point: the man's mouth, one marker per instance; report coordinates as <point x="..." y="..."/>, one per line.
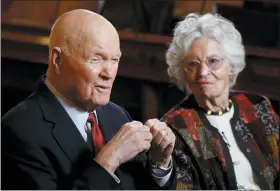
<point x="102" y="88"/>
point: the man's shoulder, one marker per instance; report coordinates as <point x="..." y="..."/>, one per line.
<point x="24" y="114"/>
<point x="113" y="107"/>
<point x="21" y="108"/>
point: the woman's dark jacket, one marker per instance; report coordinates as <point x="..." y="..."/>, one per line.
<point x="202" y="157"/>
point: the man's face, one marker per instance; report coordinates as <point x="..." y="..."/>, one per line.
<point x="89" y="71"/>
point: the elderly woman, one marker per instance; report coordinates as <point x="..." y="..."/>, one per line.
<point x="225" y="139"/>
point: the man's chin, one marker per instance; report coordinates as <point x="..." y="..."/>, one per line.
<point x="94" y="104"/>
<point x="102" y="102"/>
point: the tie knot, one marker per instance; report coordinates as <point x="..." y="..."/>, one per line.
<point x="91" y="118"/>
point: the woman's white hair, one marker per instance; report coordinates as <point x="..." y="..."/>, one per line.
<point x="195" y="26"/>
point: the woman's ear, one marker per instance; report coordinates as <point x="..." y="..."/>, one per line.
<point x="56" y="59"/>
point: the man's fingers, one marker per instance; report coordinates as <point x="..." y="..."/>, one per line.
<point x="148" y="136"/>
<point x="145" y="141"/>
<point x="145" y="146"/>
<point x="156" y="128"/>
<point x="146" y="128"/>
<point x="171" y="135"/>
<point x="163" y="138"/>
<point x="152" y="122"/>
<point x="159" y="137"/>
<point x="136" y="123"/>
<point x="164" y="143"/>
<point x="167" y="151"/>
<point x="133" y="124"/>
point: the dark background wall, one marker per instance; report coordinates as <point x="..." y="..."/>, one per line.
<point x="145" y="29"/>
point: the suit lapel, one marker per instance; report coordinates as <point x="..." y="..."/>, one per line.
<point x="110" y="122"/>
<point x="64" y="130"/>
<point x="68" y="136"/>
<point x="108" y="126"/>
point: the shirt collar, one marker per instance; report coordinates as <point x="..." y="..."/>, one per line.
<point x="78" y="115"/>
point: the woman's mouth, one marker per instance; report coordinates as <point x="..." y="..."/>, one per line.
<point x="204" y="83"/>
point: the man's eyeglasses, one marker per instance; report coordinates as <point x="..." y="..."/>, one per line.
<point x="213" y="63"/>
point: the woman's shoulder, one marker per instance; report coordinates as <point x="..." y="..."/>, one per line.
<point x="257" y="102"/>
<point x="254" y="98"/>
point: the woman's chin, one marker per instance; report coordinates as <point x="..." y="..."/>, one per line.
<point x="207" y="93"/>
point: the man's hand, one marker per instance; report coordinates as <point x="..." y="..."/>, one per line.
<point x="132" y="139"/>
<point x="162" y="144"/>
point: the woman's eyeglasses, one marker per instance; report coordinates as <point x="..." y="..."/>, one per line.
<point x="213" y="63"/>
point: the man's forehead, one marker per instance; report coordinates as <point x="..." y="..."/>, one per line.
<point x="89" y="44"/>
<point x="113" y="51"/>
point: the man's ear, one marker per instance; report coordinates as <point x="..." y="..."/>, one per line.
<point x="56" y="59"/>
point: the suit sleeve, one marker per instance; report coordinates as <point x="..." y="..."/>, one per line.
<point x="25" y="165"/>
<point x="127" y="115"/>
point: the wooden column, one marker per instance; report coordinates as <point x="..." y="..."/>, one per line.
<point x="278" y="44"/>
<point x="149" y="103"/>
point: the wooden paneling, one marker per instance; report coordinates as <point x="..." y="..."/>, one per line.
<point x="156" y="43"/>
<point x="195" y="6"/>
<point x="66" y="5"/>
<point x="144" y="86"/>
<point x="260" y="76"/>
<point x="38" y="14"/>
<point x="41" y="13"/>
<point x="144" y="59"/>
<point x="149" y="102"/>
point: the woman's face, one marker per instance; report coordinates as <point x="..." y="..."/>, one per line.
<point x="207" y="68"/>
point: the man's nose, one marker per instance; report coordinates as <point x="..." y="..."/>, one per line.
<point x="107" y="70"/>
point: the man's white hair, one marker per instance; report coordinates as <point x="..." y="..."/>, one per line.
<point x="195" y="26"/>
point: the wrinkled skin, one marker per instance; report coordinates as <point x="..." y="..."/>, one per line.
<point x="84" y="54"/>
<point x="210" y="87"/>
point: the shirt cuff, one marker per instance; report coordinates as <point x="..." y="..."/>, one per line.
<point x="162" y="177"/>
<point x="114" y="176"/>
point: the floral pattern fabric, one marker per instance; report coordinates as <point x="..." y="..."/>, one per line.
<point x="201" y="155"/>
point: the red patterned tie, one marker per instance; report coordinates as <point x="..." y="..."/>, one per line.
<point x="97" y="137"/>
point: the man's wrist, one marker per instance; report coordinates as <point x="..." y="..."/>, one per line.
<point x="108" y="163"/>
<point x="164" y="165"/>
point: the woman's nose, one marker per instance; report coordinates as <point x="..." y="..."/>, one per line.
<point x="203" y="70"/>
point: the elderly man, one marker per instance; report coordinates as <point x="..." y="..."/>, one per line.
<point x="68" y="135"/>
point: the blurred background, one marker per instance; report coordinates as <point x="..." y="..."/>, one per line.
<point x="145" y="29"/>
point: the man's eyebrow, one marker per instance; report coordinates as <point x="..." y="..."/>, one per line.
<point x="97" y="48"/>
<point x="119" y="54"/>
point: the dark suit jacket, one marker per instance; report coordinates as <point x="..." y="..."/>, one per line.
<point x="43" y="149"/>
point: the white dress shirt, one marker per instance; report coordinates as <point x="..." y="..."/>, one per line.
<point x="242" y="167"/>
<point x="80" y="116"/>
